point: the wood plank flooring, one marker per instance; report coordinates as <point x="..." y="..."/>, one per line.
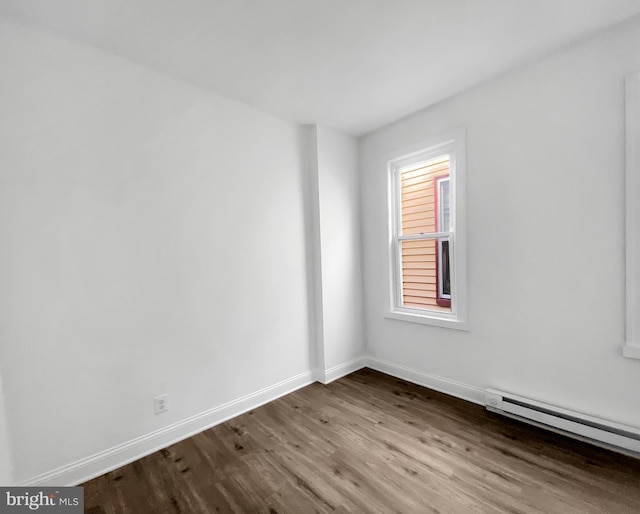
<point x="371" y="443"/>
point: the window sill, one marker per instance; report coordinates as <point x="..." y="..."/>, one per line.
<point x="431" y="318"/>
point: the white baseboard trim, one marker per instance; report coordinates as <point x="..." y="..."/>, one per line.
<point x="443" y="385"/>
<point x="341" y="370"/>
<point x="317" y="374"/>
<point x="113" y="458"/>
<point x="631" y="350"/>
<point x="120" y="455"/>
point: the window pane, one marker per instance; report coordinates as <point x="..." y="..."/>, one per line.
<point x="443" y="206"/>
<point x="421" y="262"/>
<point x="444" y="271"/>
<point x="418" y="196"/>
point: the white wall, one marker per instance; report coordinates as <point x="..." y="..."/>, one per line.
<point x="545" y="168"/>
<point x="6" y="457"/>
<point x="338" y="202"/>
<point x="152" y="242"/>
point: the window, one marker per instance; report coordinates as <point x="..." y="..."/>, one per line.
<point x="426" y="244"/>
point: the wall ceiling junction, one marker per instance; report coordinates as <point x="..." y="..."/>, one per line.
<point x="353" y="66"/>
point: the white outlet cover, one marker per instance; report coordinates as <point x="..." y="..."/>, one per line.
<point x="161" y="404"/>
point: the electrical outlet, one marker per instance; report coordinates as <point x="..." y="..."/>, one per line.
<point x="161" y="404"/>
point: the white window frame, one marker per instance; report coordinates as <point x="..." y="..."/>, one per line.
<point x="452" y="144"/>
<point x="631" y="348"/>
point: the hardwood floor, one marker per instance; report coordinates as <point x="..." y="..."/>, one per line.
<point x="371" y="443"/>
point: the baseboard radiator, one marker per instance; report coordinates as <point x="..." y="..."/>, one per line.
<point x="605" y="433"/>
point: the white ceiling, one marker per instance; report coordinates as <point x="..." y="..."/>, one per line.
<point x="353" y="65"/>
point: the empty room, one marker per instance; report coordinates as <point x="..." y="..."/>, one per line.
<point x="296" y="256"/>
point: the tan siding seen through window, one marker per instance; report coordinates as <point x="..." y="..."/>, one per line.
<point x="418" y="215"/>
